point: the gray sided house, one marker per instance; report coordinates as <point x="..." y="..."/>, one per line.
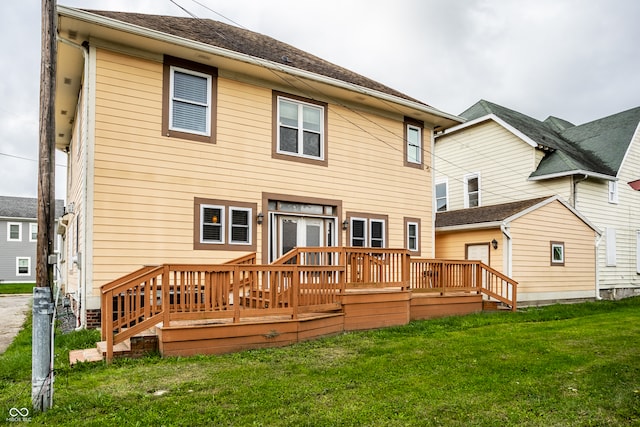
<point x="18" y="238"/>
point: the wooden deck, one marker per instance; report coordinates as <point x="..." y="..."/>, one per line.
<point x="308" y="293"/>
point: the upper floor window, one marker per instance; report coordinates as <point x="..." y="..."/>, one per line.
<point x="613" y="191"/>
<point x="368" y="231"/>
<point x="33" y="232"/>
<point x="472" y="190"/>
<point x="221" y="224"/>
<point x="413" y="130"/>
<point x="300" y="129"/>
<point x="14" y="232"/>
<point x="442" y="196"/>
<point x="188" y="100"/>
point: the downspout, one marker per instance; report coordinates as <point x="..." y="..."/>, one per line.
<point x="507" y="253"/>
<point x="597" y="290"/>
<point x="433" y="199"/>
<point x="574" y="190"/>
<point x="80" y="263"/>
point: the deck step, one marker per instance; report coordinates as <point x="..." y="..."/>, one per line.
<point x="85" y="355"/>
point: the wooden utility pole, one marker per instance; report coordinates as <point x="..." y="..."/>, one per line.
<point x="46" y="172"/>
<point x="43" y="307"/>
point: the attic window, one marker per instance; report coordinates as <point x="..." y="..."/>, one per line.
<point x="189" y="93"/>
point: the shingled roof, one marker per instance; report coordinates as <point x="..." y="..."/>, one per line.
<point x="247" y="42"/>
<point x="596" y="147"/>
<point x="24" y="207"/>
<point x="484" y="214"/>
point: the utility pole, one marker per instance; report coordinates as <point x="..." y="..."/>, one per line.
<point x="41" y="372"/>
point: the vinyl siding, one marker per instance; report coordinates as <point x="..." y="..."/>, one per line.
<point x="452" y="245"/>
<point x="145" y="183"/>
<point x="532" y="235"/>
<point x="11" y="250"/>
<point x="503" y="160"/>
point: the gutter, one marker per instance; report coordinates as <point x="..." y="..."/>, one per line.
<point x="477" y="226"/>
<point x="574" y="172"/>
<point x="214" y="50"/>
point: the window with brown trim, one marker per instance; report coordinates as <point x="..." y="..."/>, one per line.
<point x="224" y="225"/>
<point x="189" y="100"/>
<point x="368" y="230"/>
<point x="413" y="143"/>
<point x="299" y="129"/>
<point x="557" y="253"/>
<point x="412" y="235"/>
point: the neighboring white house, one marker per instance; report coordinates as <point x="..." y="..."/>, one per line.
<point x="18" y="238"/>
<point x="500" y="155"/>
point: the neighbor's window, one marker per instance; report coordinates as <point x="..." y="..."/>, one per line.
<point x="188" y="100"/>
<point x="613" y="191"/>
<point x="413" y="130"/>
<point x="472" y="190"/>
<point x="300" y="129"/>
<point x="412" y="234"/>
<point x="33" y="232"/>
<point x="14" y="231"/>
<point x="222" y="224"/>
<point x="23" y="266"/>
<point x="368" y="231"/>
<point x="557" y="253"/>
<point x="442" y="196"/>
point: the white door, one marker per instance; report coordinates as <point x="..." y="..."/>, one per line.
<point x="478" y="252"/>
<point x="299" y="232"/>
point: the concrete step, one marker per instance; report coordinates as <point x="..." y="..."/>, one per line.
<point x="85" y="355"/>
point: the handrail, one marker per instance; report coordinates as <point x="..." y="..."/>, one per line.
<point x="447" y="276"/>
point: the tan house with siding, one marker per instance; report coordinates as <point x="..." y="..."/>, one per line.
<point x="543" y="242"/>
<point x="192" y="141"/>
<point x="501" y="156"/>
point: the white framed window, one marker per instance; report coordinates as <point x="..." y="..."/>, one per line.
<point x="611" y="247"/>
<point x="557" y="253"/>
<point x="412" y="236"/>
<point x="414" y="144"/>
<point x="23" y="266"/>
<point x="212" y="224"/>
<point x="14" y="232"/>
<point x="613" y="191"/>
<point x="33" y="232"/>
<point x="190" y="101"/>
<point x="368" y="232"/>
<point x="300" y="129"/>
<point x="472" y="190"/>
<point x="442" y="195"/>
<point x="239" y="226"/>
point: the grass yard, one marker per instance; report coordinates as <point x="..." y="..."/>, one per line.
<point x="16" y="288"/>
<point x="563" y="365"/>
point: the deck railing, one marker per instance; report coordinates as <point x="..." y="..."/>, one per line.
<point x="444" y="276"/>
<point x="304" y="280"/>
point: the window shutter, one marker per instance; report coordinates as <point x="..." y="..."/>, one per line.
<point x="611" y="246"/>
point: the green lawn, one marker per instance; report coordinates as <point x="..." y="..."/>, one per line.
<point x="564" y="365"/>
<point x="16" y="288"/>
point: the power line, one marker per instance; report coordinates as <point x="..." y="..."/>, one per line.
<point x="28" y="159"/>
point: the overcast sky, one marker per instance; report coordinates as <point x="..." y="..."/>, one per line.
<point x="575" y="59"/>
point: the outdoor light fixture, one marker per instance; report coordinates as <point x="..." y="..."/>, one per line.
<point x="345" y="224"/>
<point x="260" y="218"/>
<point x="494" y="243"/>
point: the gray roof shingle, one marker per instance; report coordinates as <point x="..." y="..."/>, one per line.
<point x="484" y="214"/>
<point x="247" y="42"/>
<point x="24" y="207"/>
